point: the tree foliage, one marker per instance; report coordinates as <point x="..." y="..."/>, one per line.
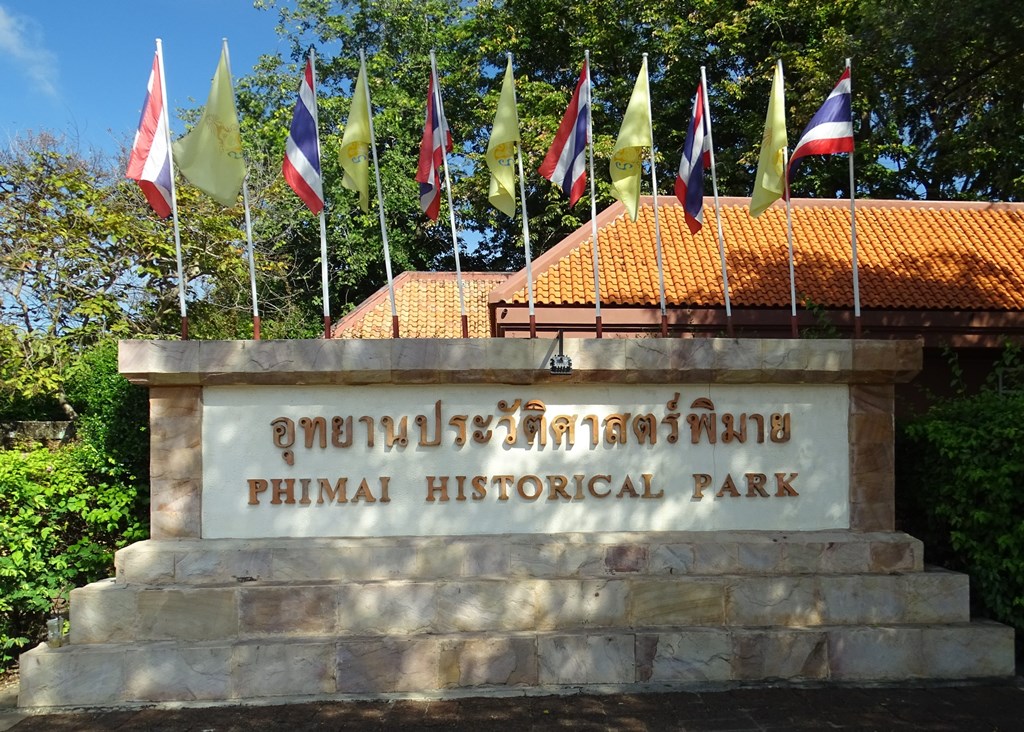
<point x="937" y="91"/>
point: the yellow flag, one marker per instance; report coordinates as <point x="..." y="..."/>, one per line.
<point x="502" y="147"/>
<point x="355" y="143"/>
<point x="634" y="135"/>
<point x="768" y="182"/>
<point x="210" y="156"/>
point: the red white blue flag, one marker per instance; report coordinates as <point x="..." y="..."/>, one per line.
<point x="436" y="140"/>
<point x="301" y="167"/>
<point x="565" y="164"/>
<point x="830" y="130"/>
<point x="150" y="160"/>
<point x="696" y="157"/>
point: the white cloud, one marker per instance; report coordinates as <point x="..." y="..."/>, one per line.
<point x="22" y="41"/>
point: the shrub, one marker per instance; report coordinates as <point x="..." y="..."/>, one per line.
<point x="62" y="515"/>
<point x="961" y="472"/>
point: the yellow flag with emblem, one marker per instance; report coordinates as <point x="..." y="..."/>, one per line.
<point x="768" y="182"/>
<point x="355" y="143"/>
<point x="502" y="146"/>
<point x="634" y="135"/>
<point x="210" y="156"/>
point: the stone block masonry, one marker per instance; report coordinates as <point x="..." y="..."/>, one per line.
<point x="211" y="609"/>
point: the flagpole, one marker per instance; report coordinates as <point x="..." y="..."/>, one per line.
<point x="793" y="326"/>
<point x="718" y="210"/>
<point x="248" y="219"/>
<point x="182" y="305"/>
<point x="526" y="224"/>
<point x="380" y="199"/>
<point x="322" y="217"/>
<point x="853" y="230"/>
<point x="593" y="200"/>
<point x="448" y="188"/>
<point x="654" y="191"/>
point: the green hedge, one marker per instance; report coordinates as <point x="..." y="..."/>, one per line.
<point x="62" y="515"/>
<point x="961" y="490"/>
<point x="64" y="512"/>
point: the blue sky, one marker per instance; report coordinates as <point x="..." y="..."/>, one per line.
<point x="80" y="67"/>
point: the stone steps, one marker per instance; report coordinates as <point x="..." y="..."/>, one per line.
<point x="227" y="561"/>
<point x="477" y="662"/>
<point x="107" y="611"/>
<point x="293" y="618"/>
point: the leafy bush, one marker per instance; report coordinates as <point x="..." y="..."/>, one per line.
<point x="62" y="515"/>
<point x="960" y="473"/>
<point x="113" y="414"/>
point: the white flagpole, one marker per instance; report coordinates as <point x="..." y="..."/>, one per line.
<point x="322" y="216"/>
<point x="593" y="199"/>
<point x="380" y="198"/>
<point x="182" y="305"/>
<point x="793" y="326"/>
<point x="654" y="191"/>
<point x="448" y="187"/>
<point x="248" y="219"/>
<point x="526" y="224"/>
<point x="853" y="229"/>
<point x="718" y="210"/>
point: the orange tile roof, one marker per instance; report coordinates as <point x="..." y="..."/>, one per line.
<point x="916" y="255"/>
<point x="427" y="305"/>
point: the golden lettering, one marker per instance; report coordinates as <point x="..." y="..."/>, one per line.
<point x="256" y="486"/>
<point x="593" y="490"/>
<point x="334" y="493"/>
<point x="479" y="484"/>
<point x="558" y="484"/>
<point x="782" y="485"/>
<point x="460" y="481"/>
<point x="578" y="480"/>
<point x="648" y="479"/>
<point x="283" y="488"/>
<point x="385" y="483"/>
<point x="701" y="481"/>
<point x="305" y="500"/>
<point x="364" y="493"/>
<point x="728" y="486"/>
<point x="521" y="487"/>
<point x="441" y="487"/>
<point x="755" y="485"/>
<point x="627" y="487"/>
<point x="503" y="482"/>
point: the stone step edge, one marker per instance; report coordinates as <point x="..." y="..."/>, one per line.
<point x="200" y="561"/>
<point x="473" y="635"/>
<point x="668" y="578"/>
<point x="120" y="673"/>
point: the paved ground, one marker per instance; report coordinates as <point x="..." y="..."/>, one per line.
<point x="987" y="708"/>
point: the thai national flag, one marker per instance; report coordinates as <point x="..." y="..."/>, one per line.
<point x="150" y="160"/>
<point x="696" y="157"/>
<point x="301" y="167"/>
<point x="565" y="164"/>
<point x="428" y="172"/>
<point x="830" y="130"/>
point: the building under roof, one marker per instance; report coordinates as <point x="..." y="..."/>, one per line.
<point x="949" y="272"/>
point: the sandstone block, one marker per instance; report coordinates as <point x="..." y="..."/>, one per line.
<point x="287" y="610"/>
<point x="488" y="662"/>
<point x="103" y="612"/>
<point x="586" y="659"/>
<point x="172" y="672"/>
<point x="565" y="604"/>
<point x="677" y="602"/>
<point x="282" y="669"/>
<point x="70" y="677"/>
<point x="188" y="614"/>
<point x="700" y="654"/>
<point x="388" y="666"/>
<point x="388" y="608"/>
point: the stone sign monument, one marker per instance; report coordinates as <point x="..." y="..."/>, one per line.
<point x="336" y="519"/>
